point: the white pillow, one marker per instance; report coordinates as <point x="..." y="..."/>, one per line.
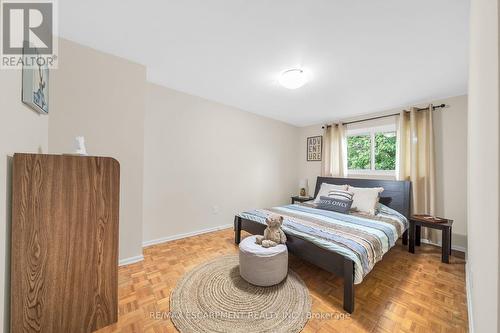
<point x="365" y="199"/>
<point x="325" y="189"/>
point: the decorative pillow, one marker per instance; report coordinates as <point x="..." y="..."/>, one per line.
<point x="341" y="195"/>
<point x="365" y="200"/>
<point x="334" y="204"/>
<point x="325" y="189"/>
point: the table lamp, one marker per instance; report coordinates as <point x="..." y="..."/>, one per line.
<point x="303" y="184"/>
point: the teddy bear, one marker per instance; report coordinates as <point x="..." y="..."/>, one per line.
<point x="273" y="235"/>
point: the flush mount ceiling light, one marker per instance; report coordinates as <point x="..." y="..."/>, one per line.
<point x="293" y="78"/>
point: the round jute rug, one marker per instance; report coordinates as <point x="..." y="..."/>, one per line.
<point x="214" y="298"/>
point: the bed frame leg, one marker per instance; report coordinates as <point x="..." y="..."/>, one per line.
<point x="405" y="237"/>
<point x="348" y="285"/>
<point x="237" y="229"/>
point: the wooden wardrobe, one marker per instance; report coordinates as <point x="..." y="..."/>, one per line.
<point x="64" y="257"/>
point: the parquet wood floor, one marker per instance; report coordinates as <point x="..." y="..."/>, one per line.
<point x="403" y="293"/>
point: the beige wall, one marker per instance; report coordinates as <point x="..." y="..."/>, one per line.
<point x="101" y="97"/>
<point x="483" y="168"/>
<point x="21" y="130"/>
<point x="205" y="161"/>
<point x="450" y="130"/>
<point x="451" y="163"/>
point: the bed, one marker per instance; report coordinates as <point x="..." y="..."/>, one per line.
<point x="345" y="245"/>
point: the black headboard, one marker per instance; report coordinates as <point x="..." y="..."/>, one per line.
<point x="396" y="194"/>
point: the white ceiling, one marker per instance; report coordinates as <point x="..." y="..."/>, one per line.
<point x="362" y="55"/>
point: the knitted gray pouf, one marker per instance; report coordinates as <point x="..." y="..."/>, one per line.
<point x="262" y="266"/>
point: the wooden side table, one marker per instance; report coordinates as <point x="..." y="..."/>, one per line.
<point x="419" y="221"/>
<point x="298" y="198"/>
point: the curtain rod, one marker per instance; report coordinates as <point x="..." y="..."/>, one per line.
<point x="385" y="116"/>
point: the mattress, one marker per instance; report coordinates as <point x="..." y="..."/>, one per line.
<point x="362" y="238"/>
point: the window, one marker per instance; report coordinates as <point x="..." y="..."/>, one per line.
<point x="359" y="152"/>
<point x="385" y="151"/>
<point x="371" y="150"/>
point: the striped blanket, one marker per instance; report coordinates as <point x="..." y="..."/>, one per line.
<point x="363" y="239"/>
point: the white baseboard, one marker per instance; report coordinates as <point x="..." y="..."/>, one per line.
<point x="468" y="288"/>
<point x="184" y="235"/>
<point x="131" y="260"/>
<point x="453" y="247"/>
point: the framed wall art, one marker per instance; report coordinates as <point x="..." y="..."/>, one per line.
<point x="315" y="148"/>
<point x="36" y="87"/>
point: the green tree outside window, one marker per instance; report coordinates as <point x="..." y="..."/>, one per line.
<point x="385" y="151"/>
<point x="359" y="151"/>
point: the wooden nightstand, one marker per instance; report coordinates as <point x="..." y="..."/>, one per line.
<point x="298" y="198"/>
<point x="419" y="221"/>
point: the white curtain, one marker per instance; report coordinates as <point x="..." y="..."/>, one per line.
<point x="334" y="151"/>
<point x="416" y="160"/>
